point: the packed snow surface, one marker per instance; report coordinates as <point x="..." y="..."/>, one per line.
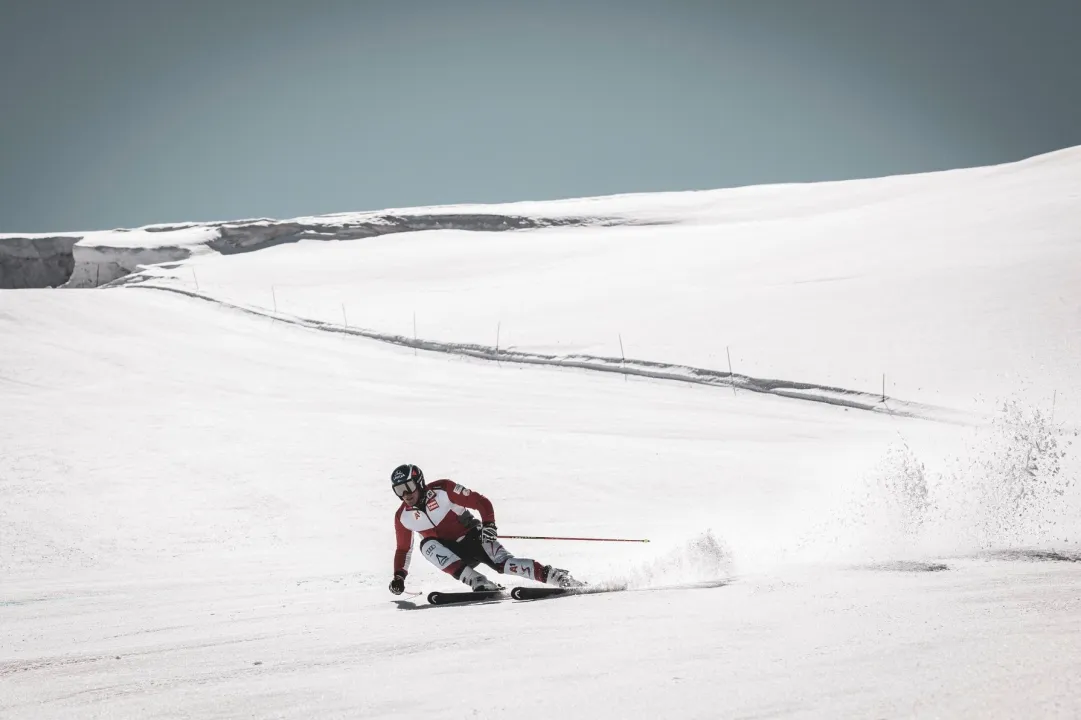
<point x="196" y="519"/>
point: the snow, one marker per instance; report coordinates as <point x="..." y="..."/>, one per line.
<point x="40" y="261"/>
<point x="103" y="257"/>
<point x="195" y="519"/>
<point x="920" y="285"/>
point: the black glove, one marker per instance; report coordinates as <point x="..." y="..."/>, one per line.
<point x="488" y="532"/>
<point x="397" y="585"/>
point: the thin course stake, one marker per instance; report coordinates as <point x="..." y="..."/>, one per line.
<point x="623" y="356"/>
<point x="731" y="377"/>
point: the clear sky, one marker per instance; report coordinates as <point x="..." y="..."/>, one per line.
<point x="117" y="113"/>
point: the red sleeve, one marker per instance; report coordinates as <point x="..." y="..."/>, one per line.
<point x="404" y="546"/>
<point x="461" y="495"/>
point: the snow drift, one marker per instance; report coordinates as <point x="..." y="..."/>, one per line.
<point x="82" y="260"/>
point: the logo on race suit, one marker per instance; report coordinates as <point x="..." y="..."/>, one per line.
<point x="525" y="571"/>
<point x="461" y="489"/>
<point x="433" y="504"/>
<point x="431" y="550"/>
<point x="416" y="514"/>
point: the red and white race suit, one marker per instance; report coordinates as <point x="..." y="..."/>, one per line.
<point x="443" y="514"/>
<point x="443" y="520"/>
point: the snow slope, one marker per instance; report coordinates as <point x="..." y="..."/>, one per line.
<point x="955" y="288"/>
<point x="195" y="520"/>
<point x="197" y="524"/>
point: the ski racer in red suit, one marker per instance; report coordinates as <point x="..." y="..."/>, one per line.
<point x="452" y="538"/>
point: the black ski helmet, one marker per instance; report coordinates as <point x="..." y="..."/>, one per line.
<point x="405" y="474"/>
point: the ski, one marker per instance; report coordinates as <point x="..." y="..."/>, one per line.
<point x="541" y="593"/>
<point x="531" y="593"/>
<point x="457" y="598"/>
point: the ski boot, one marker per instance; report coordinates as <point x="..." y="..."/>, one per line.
<point x="478" y="582"/>
<point x="560" y="578"/>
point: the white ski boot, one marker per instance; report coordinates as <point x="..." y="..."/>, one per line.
<point x="478" y="582"/>
<point x="560" y="578"/>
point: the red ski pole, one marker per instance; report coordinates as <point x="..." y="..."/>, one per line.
<point x="584" y="539"/>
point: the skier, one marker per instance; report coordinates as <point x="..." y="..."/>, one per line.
<point x="452" y="539"/>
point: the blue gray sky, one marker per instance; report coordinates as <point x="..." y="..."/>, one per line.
<point x="117" y="113"/>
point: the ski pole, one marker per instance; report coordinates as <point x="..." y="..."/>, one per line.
<point x="585" y="539"/>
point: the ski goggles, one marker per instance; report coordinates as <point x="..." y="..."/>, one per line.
<point x="403" y="489"/>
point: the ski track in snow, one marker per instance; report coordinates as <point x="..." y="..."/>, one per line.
<point x="840" y="397"/>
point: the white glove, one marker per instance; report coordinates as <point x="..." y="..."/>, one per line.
<point x="488" y="532"/>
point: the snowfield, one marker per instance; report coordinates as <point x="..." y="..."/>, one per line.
<point x="950" y="286"/>
<point x="196" y="519"/>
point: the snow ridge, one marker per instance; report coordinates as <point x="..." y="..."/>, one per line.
<point x="93" y="259"/>
<point x="235" y="238"/>
<point x="842" y="397"/>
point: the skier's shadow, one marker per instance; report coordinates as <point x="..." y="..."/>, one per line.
<point x="410" y="605"/>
